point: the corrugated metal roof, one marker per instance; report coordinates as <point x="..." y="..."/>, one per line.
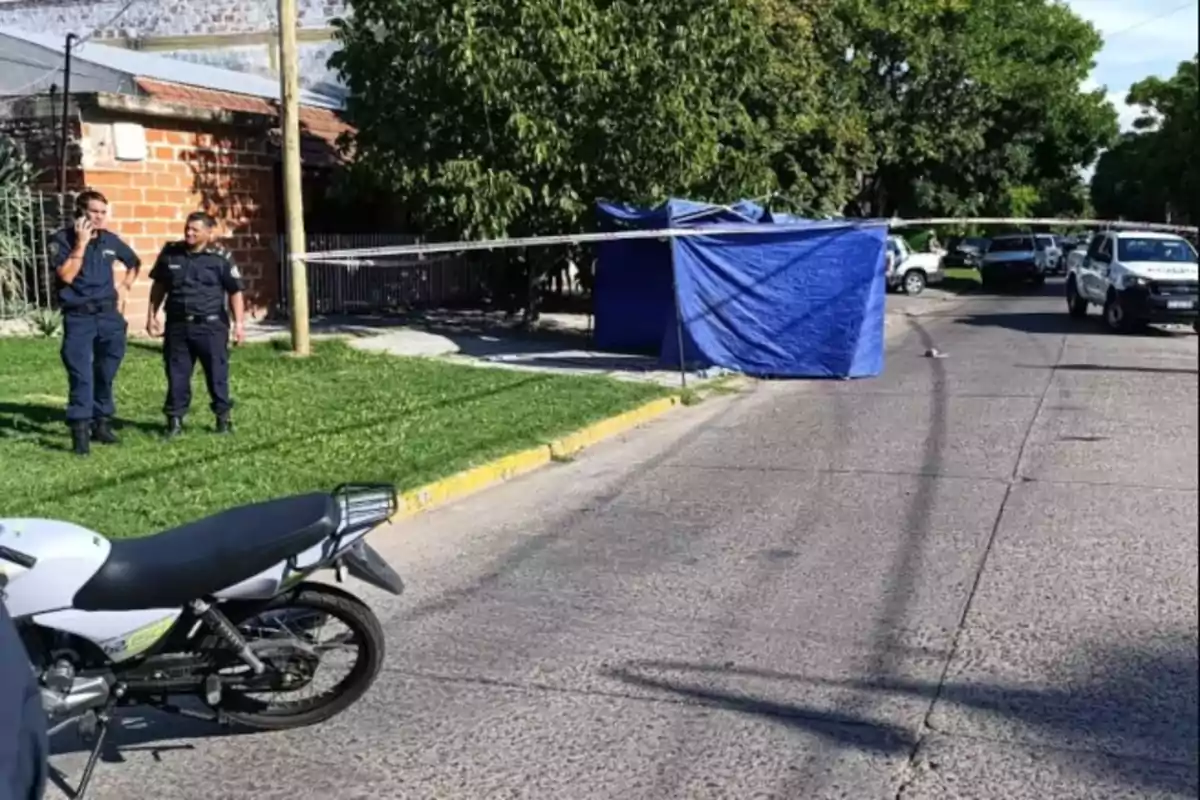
<point x="148" y="65"/>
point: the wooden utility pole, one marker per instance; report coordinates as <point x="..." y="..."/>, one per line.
<point x="293" y="197"/>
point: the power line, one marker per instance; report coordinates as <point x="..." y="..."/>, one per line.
<point x="80" y="41"/>
<point x="1147" y="21"/>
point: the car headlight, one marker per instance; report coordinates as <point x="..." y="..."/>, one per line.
<point x="1133" y="281"/>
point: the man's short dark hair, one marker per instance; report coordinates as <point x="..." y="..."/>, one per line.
<point x="81" y="202"/>
<point x="202" y="217"/>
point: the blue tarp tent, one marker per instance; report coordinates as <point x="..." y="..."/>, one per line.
<point x="786" y="298"/>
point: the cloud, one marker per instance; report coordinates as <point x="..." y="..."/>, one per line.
<point x="1140" y="39"/>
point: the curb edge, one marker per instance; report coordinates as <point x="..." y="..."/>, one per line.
<point x="500" y="470"/>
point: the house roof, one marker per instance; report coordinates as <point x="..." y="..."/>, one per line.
<point x="170" y="70"/>
<point x="320" y="127"/>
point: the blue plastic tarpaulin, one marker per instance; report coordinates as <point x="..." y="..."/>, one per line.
<point x="788" y="299"/>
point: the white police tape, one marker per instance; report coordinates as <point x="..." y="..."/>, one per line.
<point x="366" y="256"/>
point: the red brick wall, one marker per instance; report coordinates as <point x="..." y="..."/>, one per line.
<point x="227" y="172"/>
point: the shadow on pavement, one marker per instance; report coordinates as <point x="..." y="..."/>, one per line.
<point x="1052" y="322"/>
<point x="1122" y="698"/>
<point x="1110" y="368"/>
<point x="133" y="731"/>
<point x="844" y="730"/>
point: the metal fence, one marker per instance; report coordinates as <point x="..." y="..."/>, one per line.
<point x="27" y="220"/>
<point x="392" y="284"/>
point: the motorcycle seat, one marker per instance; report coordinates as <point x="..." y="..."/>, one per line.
<point x="191" y="562"/>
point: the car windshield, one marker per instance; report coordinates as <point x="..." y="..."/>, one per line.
<point x="1147" y="249"/>
<point x="1013" y="244"/>
<point x="1046" y="241"/>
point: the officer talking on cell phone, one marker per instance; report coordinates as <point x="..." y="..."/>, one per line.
<point x="200" y="285"/>
<point x="94" y="326"/>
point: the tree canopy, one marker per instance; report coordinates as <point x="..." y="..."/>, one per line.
<point x="1152" y="173"/>
<point x="505" y="117"/>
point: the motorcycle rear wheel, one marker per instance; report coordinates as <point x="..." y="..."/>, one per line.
<point x="247" y="710"/>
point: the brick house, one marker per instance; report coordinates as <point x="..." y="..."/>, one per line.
<point x="161" y="138"/>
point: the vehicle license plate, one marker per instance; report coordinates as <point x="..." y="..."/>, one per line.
<point x="1181" y="304"/>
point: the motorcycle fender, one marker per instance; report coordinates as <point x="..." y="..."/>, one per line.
<point x="368" y="566"/>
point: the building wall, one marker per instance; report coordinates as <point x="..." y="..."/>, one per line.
<point x="226" y="171"/>
<point x="205" y="20"/>
<point x="33" y="123"/>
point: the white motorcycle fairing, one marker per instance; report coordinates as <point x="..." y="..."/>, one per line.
<point x="66" y="557"/>
<point x="137" y="622"/>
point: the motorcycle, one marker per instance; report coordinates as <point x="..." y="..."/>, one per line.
<point x="220" y="610"/>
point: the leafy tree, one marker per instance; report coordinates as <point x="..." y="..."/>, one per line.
<point x="973" y="104"/>
<point x="492" y="118"/>
<point x="489" y="118"/>
<point x="504" y="117"/>
<point x="1152" y="174"/>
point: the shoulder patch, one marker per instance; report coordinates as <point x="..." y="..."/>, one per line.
<point x="52" y="247"/>
<point x="235" y="272"/>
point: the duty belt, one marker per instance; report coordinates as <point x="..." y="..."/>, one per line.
<point x="196" y="318"/>
<point x="91" y="307"/>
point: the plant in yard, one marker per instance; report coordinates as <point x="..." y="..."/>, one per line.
<point x="46" y="321"/>
<point x="16" y="220"/>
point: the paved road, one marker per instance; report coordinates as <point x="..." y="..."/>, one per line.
<point x="975" y="577"/>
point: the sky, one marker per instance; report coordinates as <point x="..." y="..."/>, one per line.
<point x="1147" y="37"/>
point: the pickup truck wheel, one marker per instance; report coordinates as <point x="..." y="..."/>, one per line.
<point x="1076" y="306"/>
<point x="1114" y="315"/>
<point x="914" y="282"/>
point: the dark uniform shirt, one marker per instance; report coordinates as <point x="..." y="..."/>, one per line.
<point x="94" y="283"/>
<point x="197" y="283"/>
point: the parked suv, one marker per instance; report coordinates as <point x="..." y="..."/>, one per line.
<point x="911" y="271"/>
<point x="1013" y="258"/>
<point x="1137" y="278"/>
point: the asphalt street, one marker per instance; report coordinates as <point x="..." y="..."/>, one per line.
<point x="972" y="577"/>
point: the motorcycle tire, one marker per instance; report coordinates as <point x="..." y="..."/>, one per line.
<point x="350" y="611"/>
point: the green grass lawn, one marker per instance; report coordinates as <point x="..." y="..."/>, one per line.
<point x="301" y="424"/>
<point x="960" y="279"/>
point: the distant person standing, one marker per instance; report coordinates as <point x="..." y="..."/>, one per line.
<point x="94" y="327"/>
<point x="200" y="286"/>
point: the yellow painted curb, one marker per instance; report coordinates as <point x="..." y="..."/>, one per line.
<point x="502" y="469"/>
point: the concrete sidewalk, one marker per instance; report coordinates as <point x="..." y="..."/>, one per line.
<point x="561" y="344"/>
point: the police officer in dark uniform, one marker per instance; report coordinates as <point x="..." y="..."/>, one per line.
<point x="94" y="327"/>
<point x="200" y="284"/>
<point x="24" y="746"/>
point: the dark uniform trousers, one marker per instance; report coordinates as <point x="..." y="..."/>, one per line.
<point x="187" y="340"/>
<point x="93" y="346"/>
<point x="24" y="746"/>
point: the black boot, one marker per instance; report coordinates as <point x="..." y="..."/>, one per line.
<point x="81" y="438"/>
<point x="223" y="423"/>
<point x="174" y="427"/>
<point x="102" y="431"/>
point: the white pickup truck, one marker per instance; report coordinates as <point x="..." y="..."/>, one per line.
<point x="1137" y="277"/>
<point x="911" y="271"/>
